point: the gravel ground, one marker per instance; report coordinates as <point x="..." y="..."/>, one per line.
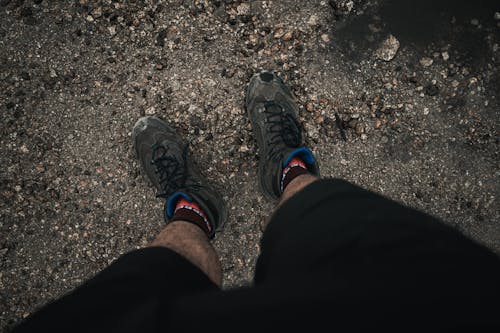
<point x="400" y="103"/>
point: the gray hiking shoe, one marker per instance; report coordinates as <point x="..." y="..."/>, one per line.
<point x="273" y="112"/>
<point x="166" y="161"/>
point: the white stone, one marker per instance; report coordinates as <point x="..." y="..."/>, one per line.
<point x="388" y="49"/>
<point x="243" y="9"/>
<point x="426" y="61"/>
<point x="313" y="21"/>
<point x="24" y="149"/>
<point x="112" y="30"/>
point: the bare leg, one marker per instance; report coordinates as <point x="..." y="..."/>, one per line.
<point x="190" y="241"/>
<point x="294" y="187"/>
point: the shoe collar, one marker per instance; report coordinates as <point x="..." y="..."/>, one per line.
<point x="304" y="153"/>
<point x="172" y="202"/>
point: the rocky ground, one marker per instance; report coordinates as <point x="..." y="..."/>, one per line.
<point x="399" y="97"/>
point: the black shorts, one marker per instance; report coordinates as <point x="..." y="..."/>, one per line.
<point x="333" y="257"/>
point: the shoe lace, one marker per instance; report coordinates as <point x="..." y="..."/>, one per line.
<point x="284" y="129"/>
<point x="169" y="170"/>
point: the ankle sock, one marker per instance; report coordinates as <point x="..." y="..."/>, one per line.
<point x="191" y="212"/>
<point x="296" y="167"/>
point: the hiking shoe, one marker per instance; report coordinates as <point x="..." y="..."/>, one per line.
<point x="273" y="112"/>
<point x="166" y="161"/>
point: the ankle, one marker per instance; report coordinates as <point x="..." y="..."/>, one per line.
<point x="296" y="185"/>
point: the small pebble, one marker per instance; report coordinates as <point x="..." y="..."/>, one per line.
<point x="279" y="33"/>
<point x="388" y="49"/>
<point x="313" y="21"/>
<point x="243" y="9"/>
<point x="310" y="106"/>
<point x="426" y="61"/>
<point x="287" y="36"/>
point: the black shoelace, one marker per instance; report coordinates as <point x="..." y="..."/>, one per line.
<point x="169" y="169"/>
<point x="284" y="129"/>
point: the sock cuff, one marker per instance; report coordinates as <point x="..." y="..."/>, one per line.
<point x="295" y="162"/>
<point x="190" y="211"/>
<point x="292" y="170"/>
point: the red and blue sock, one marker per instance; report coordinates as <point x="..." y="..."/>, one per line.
<point x="190" y="211"/>
<point x="296" y="167"/>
